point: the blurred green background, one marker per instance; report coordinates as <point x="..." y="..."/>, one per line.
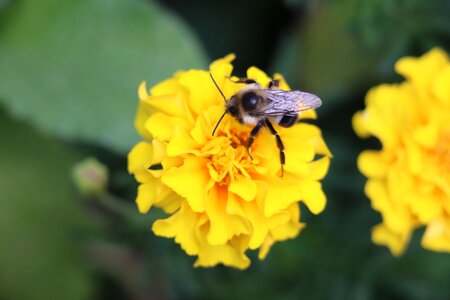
<point x="69" y="71"/>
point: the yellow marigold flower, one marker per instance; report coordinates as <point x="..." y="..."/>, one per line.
<point x="221" y="203"/>
<point x="409" y="178"/>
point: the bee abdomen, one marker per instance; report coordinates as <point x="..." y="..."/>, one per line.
<point x="288" y="121"/>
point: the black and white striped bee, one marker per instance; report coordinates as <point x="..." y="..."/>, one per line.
<point x="257" y="106"/>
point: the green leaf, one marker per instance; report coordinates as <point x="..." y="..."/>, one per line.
<point x="72" y="68"/>
<point x="39" y="258"/>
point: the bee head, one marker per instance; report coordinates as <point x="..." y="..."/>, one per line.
<point x="231" y="106"/>
<point x="233" y="111"/>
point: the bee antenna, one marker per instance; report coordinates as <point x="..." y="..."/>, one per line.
<point x="215" y="83"/>
<point x="218" y="122"/>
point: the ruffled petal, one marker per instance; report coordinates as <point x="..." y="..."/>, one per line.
<point x="223" y="224"/>
<point x="359" y="124"/>
<point x="244" y="187"/>
<point x="181" y="225"/>
<point x="441" y="86"/>
<point x="193" y="188"/>
<point x="381" y="235"/>
<point x="437" y="235"/>
<point x="372" y="164"/>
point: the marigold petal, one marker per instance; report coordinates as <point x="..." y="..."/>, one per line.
<point x="180" y="225"/>
<point x="191" y="181"/>
<point x="256" y="218"/>
<point x="422" y="70"/>
<point x="222" y="68"/>
<point x="170" y="104"/>
<point x="140" y="159"/>
<point x="308" y="114"/>
<point x="142" y="115"/>
<point x="426" y="208"/>
<point x="381" y="235"/>
<point x="395" y="217"/>
<point x="143" y="91"/>
<point x="140" y="156"/>
<point x="181" y="143"/>
<point x="441" y="88"/>
<point x="302" y="135"/>
<point x="437" y="235"/>
<point x="372" y="164"/>
<point x="159" y="151"/>
<point x="427" y="135"/>
<point x="414" y="157"/>
<point x="160" y="126"/>
<point x="223" y="226"/>
<point x="282" y="82"/>
<point x="281" y="193"/>
<point x="234" y="205"/>
<point x="265" y="247"/>
<point x="204" y="124"/>
<point x="143" y="112"/>
<point x="313" y="196"/>
<point x="315" y="170"/>
<point x="303" y="141"/>
<point x="319" y="168"/>
<point x="281" y="232"/>
<point x="321" y="147"/>
<point x="383" y="131"/>
<point x="227" y="254"/>
<point x="286" y="231"/>
<point x="202" y="91"/>
<point x="146" y="196"/>
<point x="166" y="87"/>
<point x="223" y="64"/>
<point x="298" y="151"/>
<point x="259" y="76"/>
<point x="302" y="132"/>
<point x="167" y="199"/>
<point x="244" y="187"/>
<point x="359" y="124"/>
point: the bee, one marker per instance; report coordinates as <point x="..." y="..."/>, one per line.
<point x="260" y="107"/>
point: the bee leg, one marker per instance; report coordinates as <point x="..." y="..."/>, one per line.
<point x="243" y="80"/>
<point x="279" y="144"/>
<point x="253" y="133"/>
<point x="274" y="83"/>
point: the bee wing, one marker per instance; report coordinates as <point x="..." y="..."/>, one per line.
<point x="289" y="103"/>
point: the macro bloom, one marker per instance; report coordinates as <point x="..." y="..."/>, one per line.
<point x="220" y="202"/>
<point x="409" y="178"/>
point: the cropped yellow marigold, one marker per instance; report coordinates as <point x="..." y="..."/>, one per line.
<point x="409" y="179"/>
<point x="221" y="203"/>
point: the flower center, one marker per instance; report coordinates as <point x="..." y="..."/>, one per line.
<point x="232" y="159"/>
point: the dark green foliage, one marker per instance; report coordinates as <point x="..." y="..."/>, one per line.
<point x="40" y="225"/>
